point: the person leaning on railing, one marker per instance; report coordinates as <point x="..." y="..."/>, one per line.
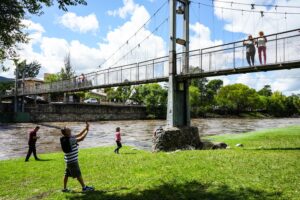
<point x="250" y="50"/>
<point x="261" y="45"/>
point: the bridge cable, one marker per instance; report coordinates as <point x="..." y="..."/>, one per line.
<point x="256" y="5"/>
<point x="236" y="9"/>
<point x="139" y="29"/>
<point x="138" y="45"/>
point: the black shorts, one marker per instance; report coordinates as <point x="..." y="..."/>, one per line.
<point x="73" y="170"/>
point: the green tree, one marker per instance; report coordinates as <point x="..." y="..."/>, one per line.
<point x="292" y="105"/>
<point x="265" y="91"/>
<point x="67" y="72"/>
<point x="237" y="98"/>
<point x="52" y="78"/>
<point x="212" y="88"/>
<point x="276" y="104"/>
<point x="154" y="97"/>
<point x="11" y="27"/>
<point x="7" y="85"/>
<point x="27" y="70"/>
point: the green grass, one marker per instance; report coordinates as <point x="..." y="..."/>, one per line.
<point x="267" y="167"/>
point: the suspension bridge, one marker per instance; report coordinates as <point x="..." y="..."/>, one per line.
<point x="178" y="68"/>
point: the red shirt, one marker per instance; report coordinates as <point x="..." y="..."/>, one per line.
<point x="118" y="136"/>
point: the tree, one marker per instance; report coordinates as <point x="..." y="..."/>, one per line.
<point x="27" y="70"/>
<point x="67" y="72"/>
<point x="154" y="97"/>
<point x="6" y="85"/>
<point x="212" y="88"/>
<point x="237" y="98"/>
<point x="11" y="26"/>
<point x="52" y="78"/>
<point x="265" y="91"/>
<point x="276" y="104"/>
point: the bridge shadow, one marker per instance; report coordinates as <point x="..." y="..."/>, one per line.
<point x="189" y="191"/>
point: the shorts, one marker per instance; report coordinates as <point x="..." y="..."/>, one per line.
<point x="73" y="170"/>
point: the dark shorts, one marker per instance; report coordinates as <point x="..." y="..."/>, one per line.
<point x="73" y="170"/>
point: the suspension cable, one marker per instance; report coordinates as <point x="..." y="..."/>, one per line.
<point x="254" y="11"/>
<point x="138" y="45"/>
<point x="256" y="5"/>
<point x="139" y="29"/>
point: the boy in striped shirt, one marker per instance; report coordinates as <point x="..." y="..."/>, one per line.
<point x="71" y="158"/>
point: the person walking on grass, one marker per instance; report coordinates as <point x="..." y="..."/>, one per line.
<point x="118" y="140"/>
<point x="70" y="148"/>
<point x="250" y="50"/>
<point x="31" y="143"/>
<point x="261" y="45"/>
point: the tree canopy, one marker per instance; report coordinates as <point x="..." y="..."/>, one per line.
<point x="26" y="70"/>
<point x="12" y="12"/>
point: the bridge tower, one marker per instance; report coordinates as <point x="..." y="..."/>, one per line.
<point x="178" y="134"/>
<point x="178" y="113"/>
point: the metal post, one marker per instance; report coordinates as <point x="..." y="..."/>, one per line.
<point x="201" y="60"/>
<point x="16" y="91"/>
<point x="234" y="55"/>
<point x="153" y="68"/>
<point x="276" y="49"/>
<point x="138" y="72"/>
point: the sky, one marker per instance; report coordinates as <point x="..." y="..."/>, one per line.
<point x="101" y="33"/>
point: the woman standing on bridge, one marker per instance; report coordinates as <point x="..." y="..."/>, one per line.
<point x="261" y="45"/>
<point x="250" y="49"/>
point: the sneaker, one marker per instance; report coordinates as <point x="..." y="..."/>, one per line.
<point x="88" y="188"/>
<point x="66" y="190"/>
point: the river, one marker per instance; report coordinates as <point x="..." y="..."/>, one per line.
<point x="137" y="133"/>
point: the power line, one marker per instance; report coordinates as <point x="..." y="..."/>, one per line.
<point x="256" y="5"/>
<point x="152" y="16"/>
<point x="138" y="45"/>
<point x="242" y="10"/>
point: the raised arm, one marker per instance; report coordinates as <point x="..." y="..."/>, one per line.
<point x="80" y="137"/>
<point x="83" y="131"/>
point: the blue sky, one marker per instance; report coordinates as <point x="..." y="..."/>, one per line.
<point x="92" y="33"/>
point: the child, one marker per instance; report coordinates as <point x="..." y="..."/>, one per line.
<point x="118" y="140"/>
<point x="71" y="158"/>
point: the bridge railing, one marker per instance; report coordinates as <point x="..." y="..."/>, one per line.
<point x="281" y="47"/>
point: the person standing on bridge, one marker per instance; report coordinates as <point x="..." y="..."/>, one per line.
<point x="261" y="45"/>
<point x="250" y="50"/>
<point x="31" y="143"/>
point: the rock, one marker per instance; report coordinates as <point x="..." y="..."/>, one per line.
<point x="220" y="145"/>
<point x="173" y="138"/>
<point x="239" y="145"/>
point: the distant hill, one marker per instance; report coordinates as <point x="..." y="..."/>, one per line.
<point x="4" y="79"/>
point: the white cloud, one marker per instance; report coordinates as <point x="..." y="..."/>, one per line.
<point x="128" y="9"/>
<point x="150" y="46"/>
<point x="81" y="24"/>
<point x="252" y="22"/>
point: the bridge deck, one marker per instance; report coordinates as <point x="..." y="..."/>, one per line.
<point x="227" y="59"/>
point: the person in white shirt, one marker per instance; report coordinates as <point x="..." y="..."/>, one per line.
<point x="261" y="45"/>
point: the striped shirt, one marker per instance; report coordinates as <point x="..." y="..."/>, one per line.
<point x="73" y="155"/>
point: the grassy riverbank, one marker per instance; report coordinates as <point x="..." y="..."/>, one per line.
<point x="267" y="167"/>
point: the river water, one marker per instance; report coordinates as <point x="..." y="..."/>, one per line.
<point x="137" y="133"/>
